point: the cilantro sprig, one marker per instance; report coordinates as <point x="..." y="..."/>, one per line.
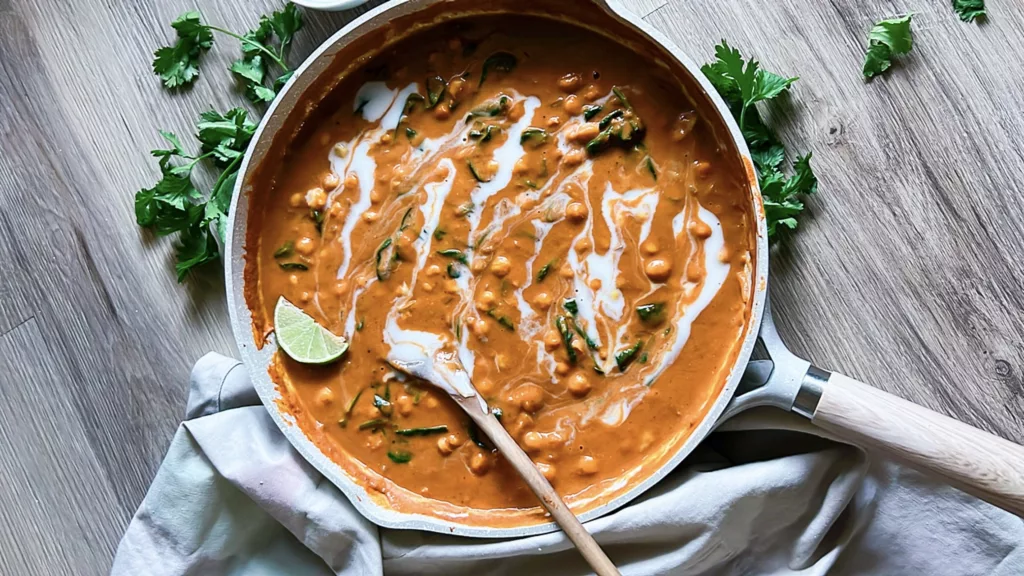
<point x="969" y="10"/>
<point x="887" y="39"/>
<point x="743" y="84"/>
<point x="178" y="65"/>
<point x="174" y="205"/>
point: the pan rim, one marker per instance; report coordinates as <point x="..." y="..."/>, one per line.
<point x="257" y="360"/>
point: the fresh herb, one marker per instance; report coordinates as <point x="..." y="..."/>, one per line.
<point x="439" y="234"/>
<point x="427" y="431"/>
<point x="410" y="133"/>
<point x="497" y="107"/>
<point x="649" y="163"/>
<point x="465" y="209"/>
<point x="318" y="217"/>
<point x="485" y="133"/>
<point x="406" y="220"/>
<point x="476" y="175"/>
<point x="178" y="65"/>
<point x="621" y="97"/>
<point x="586" y="337"/>
<point x="383" y="404"/>
<point x="458" y="329"/>
<point x="652" y="313"/>
<point x="175" y="205"/>
<point x="969" y="10"/>
<point x="453" y="271"/>
<point x="607" y="120"/>
<point x="498" y="62"/>
<point x="625" y="357"/>
<point x="535" y="135"/>
<point x="590" y="111"/>
<point x="454" y="254"/>
<point x="373" y="424"/>
<point x="386" y="258"/>
<point x="563" y="329"/>
<point x="619" y="127"/>
<point x="742" y="85"/>
<point x="399" y="456"/>
<point x="351" y="406"/>
<point x="544" y="270"/>
<point x="360" y="324"/>
<point x="643" y="358"/>
<point x="436" y="88"/>
<point x="503" y="320"/>
<point x="285" y="250"/>
<point x="887" y="39"/>
<point x="292" y="266"/>
<point x="571" y="306"/>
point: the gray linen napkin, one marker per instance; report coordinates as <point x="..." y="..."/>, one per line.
<point x="763" y="495"/>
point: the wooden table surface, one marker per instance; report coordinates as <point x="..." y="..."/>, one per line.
<point x="905" y="275"/>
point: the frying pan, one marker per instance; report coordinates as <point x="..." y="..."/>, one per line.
<point x="986" y="466"/>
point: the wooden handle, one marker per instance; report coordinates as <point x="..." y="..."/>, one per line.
<point x="976" y="462"/>
<point x="572" y="526"/>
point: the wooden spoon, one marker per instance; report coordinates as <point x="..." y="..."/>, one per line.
<point x="421" y="355"/>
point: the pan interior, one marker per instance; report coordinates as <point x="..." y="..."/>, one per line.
<point x="679" y="197"/>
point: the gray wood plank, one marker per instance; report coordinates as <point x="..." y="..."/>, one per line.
<point x="905" y="276"/>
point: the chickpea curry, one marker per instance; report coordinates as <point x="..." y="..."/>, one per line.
<point x="559" y="213"/>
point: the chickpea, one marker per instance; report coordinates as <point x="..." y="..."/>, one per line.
<point x="566" y="272"/>
<point x="433" y="270"/>
<point x="335" y="210"/>
<point x="478" y="265"/>
<point x="481" y="327"/>
<point x="552" y="340"/>
<point x="450" y="287"/>
<point x="479" y="463"/>
<point x="431" y="402"/>
<point x="699" y="229"/>
<point x="542" y="300"/>
<point x="592" y="93"/>
<point x="485" y="386"/>
<point x="522" y="422"/>
<point x="501" y="266"/>
<point x="351" y="180"/>
<point x="561" y="368"/>
<point x="455" y="440"/>
<point x="486" y="301"/>
<point x="293" y="279"/>
<point x="570" y="82"/>
<point x="548" y="470"/>
<point x="305" y="246"/>
<point x="585" y="132"/>
<point x="325" y="396"/>
<point x="572" y="104"/>
<point x="442" y="111"/>
<point x="530" y="397"/>
<point x="305" y="297"/>
<point x="341" y="287"/>
<point x="503" y="361"/>
<point x="521" y="166"/>
<point x="296" y="200"/>
<point x="595" y="284"/>
<point x="316" y="198"/>
<point x="331" y="181"/>
<point x="658" y="269"/>
<point x="455" y="87"/>
<point x="723" y="256"/>
<point x="340" y="150"/>
<point x="386" y="138"/>
<point x="573" y="158"/>
<point x="579" y="385"/>
<point x="370" y="216"/>
<point x="587" y="465"/>
<point x="554" y="121"/>
<point x="444" y="447"/>
<point x="404" y="404"/>
<point x="649" y="247"/>
<point x="583" y="246"/>
<point x="374" y="441"/>
<point x="703" y="169"/>
<point x="576" y="211"/>
<point x="533" y="441"/>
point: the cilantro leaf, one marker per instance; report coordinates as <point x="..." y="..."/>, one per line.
<point x="285" y="23"/>
<point x="969" y="10"/>
<point x="251" y="69"/>
<point x="742" y="84"/>
<point x="195" y="248"/>
<point x="178" y="65"/>
<point x="887" y="39"/>
<point x="226" y="135"/>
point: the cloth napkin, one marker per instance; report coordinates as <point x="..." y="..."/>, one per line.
<point x="765" y="494"/>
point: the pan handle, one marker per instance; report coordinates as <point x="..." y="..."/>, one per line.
<point x="976" y="462"/>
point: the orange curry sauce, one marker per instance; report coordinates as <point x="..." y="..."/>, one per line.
<point x="558" y="211"/>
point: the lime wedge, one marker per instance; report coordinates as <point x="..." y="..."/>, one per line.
<point x="302" y="338"/>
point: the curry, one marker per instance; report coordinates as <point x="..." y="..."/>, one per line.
<point x="553" y="207"/>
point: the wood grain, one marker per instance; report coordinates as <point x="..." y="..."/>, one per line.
<point x="906" y="276"/>
<point x="974" y="461"/>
